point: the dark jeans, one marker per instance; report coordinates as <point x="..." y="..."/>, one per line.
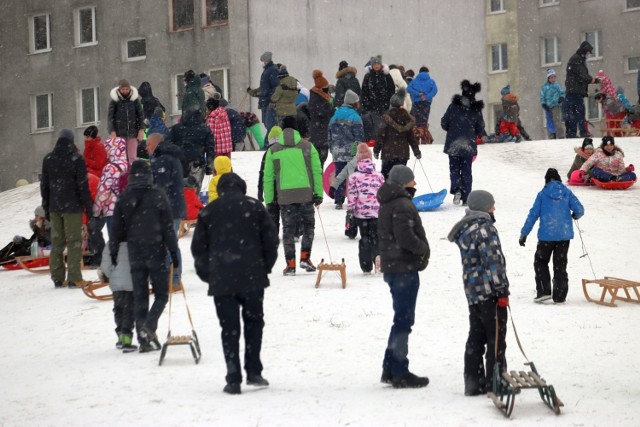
<point x="274" y="212"/>
<point x="158" y="271"/>
<point x="482" y="342"/>
<point x="460" y="175"/>
<point x="404" y="291"/>
<point x="228" y="310"/>
<point x="542" y="257"/>
<point x="269" y="118"/>
<point x="123" y="312"/>
<point x="292" y="215"/>
<point x="368" y="245"/>
<point x="388" y="164"/>
<point x="421" y="110"/>
<point x="574" y="114"/>
<point x="604" y="176"/>
<point x="342" y="188"/>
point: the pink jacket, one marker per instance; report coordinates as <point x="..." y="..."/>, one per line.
<point x="108" y="189"/>
<point x="362" y="189"/>
<point x="613" y="164"/>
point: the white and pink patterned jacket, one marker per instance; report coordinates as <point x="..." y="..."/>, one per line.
<point x="362" y="189"/>
<point x="109" y="187"/>
<point x="613" y="164"/>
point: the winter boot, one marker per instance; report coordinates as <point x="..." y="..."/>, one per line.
<point x="232" y="388"/>
<point x="120" y="341"/>
<point x="305" y="262"/>
<point x="150" y="337"/>
<point x="257" y="380"/>
<point x="290" y="269"/>
<point x="58" y="284"/>
<point x="127" y="345"/>
<point x="457" y="198"/>
<point x="386" y="377"/>
<point x="409" y="380"/>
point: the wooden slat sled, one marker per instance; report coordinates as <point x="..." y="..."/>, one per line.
<point x="611" y="287"/>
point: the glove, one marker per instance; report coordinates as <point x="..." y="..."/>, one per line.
<point x="503" y="302"/>
<point x="631" y="168"/>
<point x="418" y="155"/>
<point x="114" y="259"/>
<point x="575" y="216"/>
<point x="175" y="261"/>
<point x="317" y="200"/>
<point x="545" y="107"/>
<point x="561" y="100"/>
<point x="248" y="89"/>
<point x="208" y="170"/>
<point x="332" y="192"/>
<point x="376" y="155"/>
<point x="523" y="240"/>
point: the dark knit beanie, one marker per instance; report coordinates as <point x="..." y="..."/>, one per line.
<point x="290" y="122"/>
<point x="400" y="174"/>
<point x="91" y="132"/>
<point x="397" y="100"/>
<point x="212" y="103"/>
<point x="480" y="200"/>
<point x="66" y="134"/>
<point x="343" y="65"/>
<point x="587" y="142"/>
<point x="552" y="175"/>
<point x="189" y="75"/>
<point x="140" y="168"/>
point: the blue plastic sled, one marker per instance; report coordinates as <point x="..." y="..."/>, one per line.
<point x="430" y="201"/>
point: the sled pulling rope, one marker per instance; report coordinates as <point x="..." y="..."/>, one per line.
<point x="190" y="340"/>
<point x="584" y="249"/>
<point x="505" y="385"/>
<point x="331" y="266"/>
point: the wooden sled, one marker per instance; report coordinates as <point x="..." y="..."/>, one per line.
<point x="341" y="268"/>
<point x="185" y="225"/>
<point x="610" y="288"/>
<point x="507" y="385"/>
<point x="90" y="287"/>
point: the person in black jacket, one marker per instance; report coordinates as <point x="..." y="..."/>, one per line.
<point x="346" y="79"/>
<point x="577" y="85"/>
<point x="64" y="188"/>
<point x="377" y="90"/>
<point x="320" y="113"/>
<point x="126" y="117"/>
<point x="404" y="251"/>
<point x="193" y="136"/>
<point x="142" y="218"/>
<point x="149" y="101"/>
<point x="237" y="273"/>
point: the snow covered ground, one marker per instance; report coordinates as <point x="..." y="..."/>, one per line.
<point x="323" y="347"/>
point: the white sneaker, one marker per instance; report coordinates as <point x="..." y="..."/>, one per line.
<point x="457" y="198"/>
<point x="542" y="298"/>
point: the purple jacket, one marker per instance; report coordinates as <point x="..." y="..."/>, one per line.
<point x="362" y="190"/>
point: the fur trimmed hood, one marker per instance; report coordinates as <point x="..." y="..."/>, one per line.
<point x="385" y="69"/>
<point x="399" y="119"/>
<point x="465" y="102"/>
<point x="115" y="94"/>
<point x="346" y="71"/>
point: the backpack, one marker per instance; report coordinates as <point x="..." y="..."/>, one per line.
<point x="238" y="127"/>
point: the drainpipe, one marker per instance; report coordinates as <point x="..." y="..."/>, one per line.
<point x="249" y="48"/>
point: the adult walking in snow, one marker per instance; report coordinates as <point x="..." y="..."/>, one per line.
<point x="486" y="286"/>
<point x="422" y="90"/>
<point x="149" y="101"/>
<point x="193" y="98"/>
<point x="195" y="140"/>
<point x="463" y="123"/>
<point x="268" y="84"/>
<point x="320" y="112"/>
<point x="577" y="84"/>
<point x="237" y="273"/>
<point x="404" y="251"/>
<point x="220" y="127"/>
<point x="65" y="195"/>
<point x="555" y="206"/>
<point x="346" y="79"/>
<point x="285" y="95"/>
<point x="126" y="117"/>
<point x="377" y="90"/>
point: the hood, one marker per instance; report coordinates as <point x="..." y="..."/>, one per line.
<point x="193" y="118"/>
<point x="231" y="183"/>
<point x="222" y="165"/>
<point x="396" y="75"/>
<point x="116" y="149"/>
<point x="366" y="166"/>
<point x="383" y="70"/>
<point x="289" y="82"/>
<point x="390" y="191"/>
<point x="554" y="190"/>
<point x="193" y="81"/>
<point x="580" y="152"/>
<point x="115" y="94"/>
<point x="140" y="175"/>
<point x="467" y="102"/>
<point x="289" y="137"/>
<point x="167" y="148"/>
<point x="470" y="216"/>
<point x="347" y="72"/>
<point x="422" y="76"/>
<point x="399" y="119"/>
<point x="65" y="147"/>
<point x="145" y="90"/>
<point x="584" y="48"/>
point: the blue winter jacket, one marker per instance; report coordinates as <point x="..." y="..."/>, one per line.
<point x="484" y="269"/>
<point x="463" y="123"/>
<point x="550" y="94"/>
<point x="156" y="125"/>
<point x="268" y="83"/>
<point x="554" y="206"/>
<point x="422" y="83"/>
<point x="345" y="128"/>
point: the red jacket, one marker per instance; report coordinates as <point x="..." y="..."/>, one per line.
<point x="193" y="202"/>
<point x="95" y="156"/>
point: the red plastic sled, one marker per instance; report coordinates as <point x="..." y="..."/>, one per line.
<point x="33" y="263"/>
<point x="613" y="185"/>
<point x="327" y="177"/>
<point x="580" y="183"/>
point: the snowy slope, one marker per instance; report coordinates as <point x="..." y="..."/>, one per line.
<point x="323" y="347"/>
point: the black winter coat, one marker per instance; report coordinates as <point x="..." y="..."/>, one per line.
<point x="194" y="138"/>
<point x="377" y="90"/>
<point x="168" y="176"/>
<point x="463" y="123"/>
<point x="402" y="240"/>
<point x="235" y="243"/>
<point x="578" y="78"/>
<point x="303" y="118"/>
<point x="126" y="117"/>
<point x="142" y="218"/>
<point x="64" y="185"/>
<point x="320" y="112"/>
<point x="346" y="80"/>
<point x="149" y="102"/>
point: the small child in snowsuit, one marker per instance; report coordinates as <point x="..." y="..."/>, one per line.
<point x="582" y="154"/>
<point x="120" y="283"/>
<point x="362" y="189"/>
<point x="191" y="199"/>
<point x="551" y="97"/>
<point x="222" y="165"/>
<point x="510" y="114"/>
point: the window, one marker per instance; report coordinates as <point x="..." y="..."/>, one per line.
<point x="595" y="39"/>
<point x="549" y="2"/>
<point x="499" y="59"/>
<point x="496" y="6"/>
<point x="220" y="78"/>
<point x="39" y="33"/>
<point x="134" y="49"/>
<point x="633" y="4"/>
<point x="41" y="112"/>
<point x="633" y="63"/>
<point x="182" y="15"/>
<point x="216" y="12"/>
<point x="177" y="85"/>
<point x="594" y="112"/>
<point x="84" y="22"/>
<point x="88" y="111"/>
<point x="550" y="51"/>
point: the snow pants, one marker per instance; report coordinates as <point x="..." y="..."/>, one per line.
<point x="554" y="125"/>
<point x="388" y="164"/>
<point x="228" y="308"/>
<point x="342" y="188"/>
<point x="544" y="251"/>
<point x="368" y="244"/>
<point x="292" y="215"/>
<point x="66" y="230"/>
<point x="482" y="342"/>
<point x="123" y="312"/>
<point x="604" y="176"/>
<point x="574" y="115"/>
<point x="460" y="175"/>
